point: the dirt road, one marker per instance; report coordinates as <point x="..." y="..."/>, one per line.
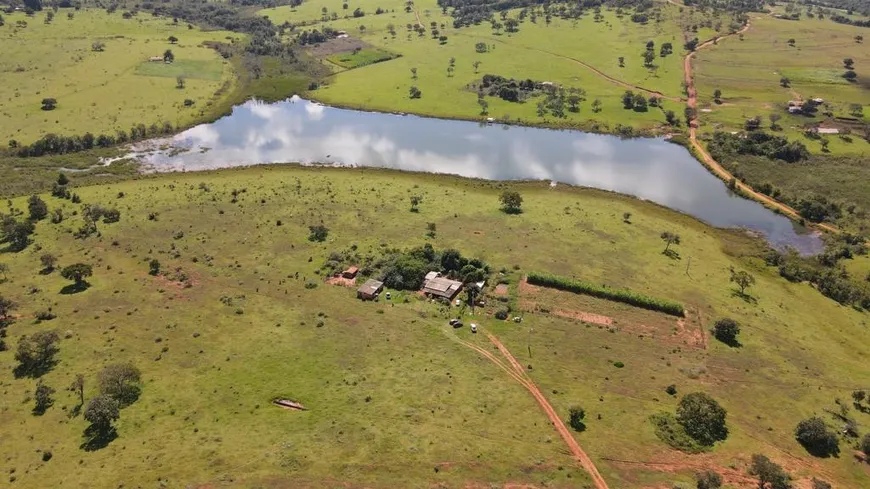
<point x="708" y="160"/>
<point x="516" y="371"/>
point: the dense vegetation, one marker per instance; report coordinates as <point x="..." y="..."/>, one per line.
<point x="604" y="292"/>
<point x="725" y="145"/>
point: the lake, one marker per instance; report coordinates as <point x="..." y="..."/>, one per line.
<point x="302" y="131"/>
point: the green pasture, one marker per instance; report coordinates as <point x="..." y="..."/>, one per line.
<point x="393" y="400"/>
<point x="555" y="52"/>
<point x="109" y="90"/>
<point x="748" y="72"/>
<point x="359" y="58"/>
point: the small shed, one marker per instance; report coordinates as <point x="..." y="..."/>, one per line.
<point x="350" y="272"/>
<point x="369" y="291"/>
<point x="156" y="59"/>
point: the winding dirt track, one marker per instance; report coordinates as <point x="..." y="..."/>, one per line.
<point x="708" y="160"/>
<point x="516" y="371"/>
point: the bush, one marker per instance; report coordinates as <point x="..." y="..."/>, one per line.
<point x="815" y="436"/>
<point x="726" y="331"/>
<point x="865" y="444"/>
<point x="708" y="480"/>
<point x="671" y="432"/>
<point x="603" y="292"/>
<point x="318" y="233"/>
<point x="703" y="418"/>
<point x="502" y="313"/>
<point x="576" y="415"/>
<point x="671" y="390"/>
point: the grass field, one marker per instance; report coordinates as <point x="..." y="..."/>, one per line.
<point x="106" y="91"/>
<point x="394" y="400"/>
<point x="360" y="58"/>
<point x="564" y="52"/>
<point x="748" y="72"/>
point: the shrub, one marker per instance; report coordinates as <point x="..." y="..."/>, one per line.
<point x="576" y="415"/>
<point x="703" y="418"/>
<point x="726" y="331"/>
<point x="815" y="436"/>
<point x="502" y="313"/>
<point x="708" y="480"/>
<point x="604" y="292"/>
<point x="671" y="432"/>
<point x="865" y="444"/>
<point x="318" y="233"/>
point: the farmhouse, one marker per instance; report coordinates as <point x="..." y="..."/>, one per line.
<point x="434" y="285"/>
<point x="369" y="291"/>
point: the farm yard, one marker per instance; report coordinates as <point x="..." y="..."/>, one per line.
<point x="213" y="285"/>
<point x="102" y="79"/>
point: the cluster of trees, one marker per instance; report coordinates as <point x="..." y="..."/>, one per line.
<point x="475" y="12"/>
<point x="638" y="103"/>
<point x="825" y="271"/>
<point x="725" y="146"/>
<point x="558" y="100"/>
<point x="316" y="37"/>
<point x="56" y="144"/>
<point x="508" y="89"/>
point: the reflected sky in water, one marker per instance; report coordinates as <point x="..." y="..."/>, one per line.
<point x="301" y="131"/>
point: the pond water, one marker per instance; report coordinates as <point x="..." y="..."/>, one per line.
<point x="301" y="131"/>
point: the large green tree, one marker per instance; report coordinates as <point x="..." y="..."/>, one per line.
<point x="815" y="436"/>
<point x="702" y="418"/>
<point x="122" y="382"/>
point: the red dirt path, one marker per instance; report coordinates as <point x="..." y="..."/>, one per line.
<point x="519" y="374"/>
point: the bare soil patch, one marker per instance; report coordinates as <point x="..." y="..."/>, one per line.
<point x="344" y="282"/>
<point x="337" y="45"/>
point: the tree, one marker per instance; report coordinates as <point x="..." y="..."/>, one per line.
<point x="621" y="61"/>
<point x="743" y="280"/>
<point x="770" y="475"/>
<point x="702" y="418"/>
<point x="484" y="106"/>
<point x="850" y="75"/>
<point x="4" y="269"/>
<point x="596" y="105"/>
<point x="6" y="307"/>
<point x="820" y="484"/>
<point x="784" y="82"/>
<point x="774" y="118"/>
<point x="726" y="331"/>
<point x="865" y="444"/>
<point x="34" y="5"/>
<point x="717" y="96"/>
<point x="121" y="382"/>
<point x="180" y="82"/>
<point x="35" y="354"/>
<point x="98" y="46"/>
<point x="49" y="103"/>
<point x="414" y="73"/>
<point x="480" y="47"/>
<point x="37" y="208"/>
<point x="648" y="58"/>
<point x="669" y="238"/>
<point x="576" y="415"/>
<point x="415" y="201"/>
<point x="48" y="261"/>
<point x="708" y="480"/>
<point x="78" y="386"/>
<point x="101" y="412"/>
<point x="848" y="63"/>
<point x="817" y="438"/>
<point x="626" y="217"/>
<point x="154" y="267"/>
<point x="168" y="56"/>
<point x="318" y="233"/>
<point x="859" y="38"/>
<point x="16" y="233"/>
<point x="753" y="123"/>
<point x="858" y="396"/>
<point x="62" y="179"/>
<point x="77" y="272"/>
<point x="42" y="396"/>
<point x="173" y="39"/>
<point x="573" y="101"/>
<point x="511" y="202"/>
<point x="414" y="92"/>
<point x="476" y="66"/>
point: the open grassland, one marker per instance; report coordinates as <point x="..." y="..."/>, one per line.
<point x="565" y="52"/>
<point x="394" y="400"/>
<point x="748" y="73"/>
<point x="109" y="90"/>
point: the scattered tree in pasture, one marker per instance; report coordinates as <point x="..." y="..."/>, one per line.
<point x="173" y="39"/>
<point x="16" y="233"/>
<point x="476" y="66"/>
<point x="815" y="436"/>
<point x="414" y="73"/>
<point x="42" y="397"/>
<point x="859" y="396"/>
<point x="122" y="382"/>
<point x="708" y="480"/>
<point x="702" y="418"/>
<point x="669" y="238"/>
<point x="717" y="96"/>
<point x="511" y="202"/>
<point x="431" y="228"/>
<point x="753" y="123"/>
<point x="35" y="353"/>
<point x="576" y="415"/>
<point x="726" y="331"/>
<point x="168" y="56"/>
<point x="596" y="105"/>
<point x="484" y="106"/>
<point x="791" y="42"/>
<point x="37" y="208"/>
<point x="480" y="47"/>
<point x="154" y="267"/>
<point x="671" y="118"/>
<point x="48" y="262"/>
<point x="626" y="217"/>
<point x="770" y="475"/>
<point x="743" y="279"/>
<point x="859" y="39"/>
<point x="101" y="412"/>
<point x="318" y="233"/>
<point x="621" y="61"/>
<point x="784" y="82"/>
<point x="848" y="63"/>
<point x="77" y="272"/>
<point x="414" y="92"/>
<point x="850" y="75"/>
<point x="78" y="387"/>
<point x="6" y="307"/>
<point x="49" y="103"/>
<point x="774" y="118"/>
<point x="415" y="202"/>
<point x="865" y="445"/>
<point x="180" y="82"/>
